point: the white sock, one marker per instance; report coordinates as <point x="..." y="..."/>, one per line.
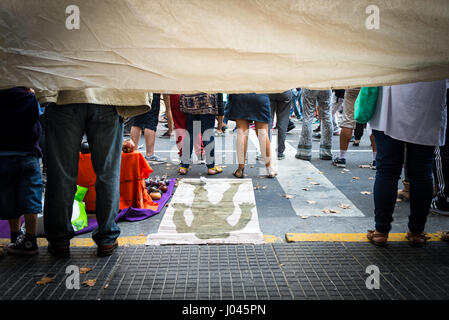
<point x="342" y="154"/>
<point x="374" y="155"/>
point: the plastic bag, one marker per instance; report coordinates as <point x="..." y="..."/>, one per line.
<point x="79" y="215"/>
<point x="365" y="104"/>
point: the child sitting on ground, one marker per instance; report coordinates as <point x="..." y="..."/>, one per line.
<point x="20" y="175"/>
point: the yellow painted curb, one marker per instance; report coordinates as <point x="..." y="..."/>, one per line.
<point x="87" y="242"/>
<point x="271" y="239"/>
<point x="349" y="237"/>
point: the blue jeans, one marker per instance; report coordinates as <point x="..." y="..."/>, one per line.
<point x="196" y="124"/>
<point x="297" y="107"/>
<point x="389" y="160"/>
<point x="64" y="131"/>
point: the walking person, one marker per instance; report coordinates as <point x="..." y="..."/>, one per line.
<point x="201" y="110"/>
<point x="280" y="107"/>
<point x="324" y="100"/>
<point x="99" y="113"/>
<point x="243" y="109"/>
<point x="411" y="115"/>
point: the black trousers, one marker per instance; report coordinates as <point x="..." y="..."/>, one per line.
<point x="441" y="171"/>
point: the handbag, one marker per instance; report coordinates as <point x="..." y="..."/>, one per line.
<point x="365" y="104"/>
<point x="202" y="103"/>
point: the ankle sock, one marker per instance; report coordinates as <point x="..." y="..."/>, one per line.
<point x="374" y="155"/>
<point x="342" y="154"/>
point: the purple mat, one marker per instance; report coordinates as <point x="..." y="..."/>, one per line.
<point x="128" y="214"/>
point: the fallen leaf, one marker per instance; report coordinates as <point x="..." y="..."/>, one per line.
<point x="311" y="202"/>
<point x="344" y="206"/>
<point x="355" y="178"/>
<point x="371" y="178"/>
<point x="314" y="183"/>
<point x="365" y="192"/>
<point x="45" y="280"/>
<point x="334" y="211"/>
<point x="326" y="211"/>
<point x="304" y="217"/>
<point x="305" y="189"/>
<point x="309" y="179"/>
<point x="316" y="215"/>
<point x="364" y="166"/>
<point x="89" y="283"/>
<point x="288" y="196"/>
<point x="85" y="270"/>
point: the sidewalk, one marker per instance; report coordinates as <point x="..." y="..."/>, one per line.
<point x="306" y="270"/>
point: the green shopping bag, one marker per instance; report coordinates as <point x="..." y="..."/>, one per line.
<point x="79" y="215"/>
<point x="365" y="104"/>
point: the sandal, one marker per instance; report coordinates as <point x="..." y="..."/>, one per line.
<point x="417" y="239"/>
<point x="377" y="238"/>
<point x="445" y="236"/>
<point x="183" y="171"/>
<point x="215" y="170"/>
<point x="239" y="173"/>
<point x="270" y="172"/>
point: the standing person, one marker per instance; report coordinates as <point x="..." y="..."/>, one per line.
<point x="221" y="127"/>
<point x="411" y="115"/>
<point x="98" y="113"/>
<point x="347" y="125"/>
<point x="148" y="123"/>
<point x="244" y="108"/>
<point x="180" y="127"/>
<point x="280" y="106"/>
<point x="201" y="110"/>
<point x="324" y="100"/>
<point x="20" y="175"/>
<point x="440" y="204"/>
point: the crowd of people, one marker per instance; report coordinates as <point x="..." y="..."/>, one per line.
<point x="408" y="130"/>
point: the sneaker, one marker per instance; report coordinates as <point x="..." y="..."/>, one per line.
<point x="434" y="208"/>
<point x="26" y="245"/>
<point x="317" y="129"/>
<point x="154" y="158"/>
<point x="165" y="135"/>
<point x="339" y="162"/>
<point x="281" y="156"/>
<point x="316" y="136"/>
<point x="373" y="165"/>
<point x="291" y="126"/>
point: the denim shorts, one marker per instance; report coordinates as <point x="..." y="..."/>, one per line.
<point x="20" y="186"/>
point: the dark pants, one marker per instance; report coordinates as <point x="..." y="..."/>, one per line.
<point x="196" y="124"/>
<point x="281" y="106"/>
<point x="65" y="126"/>
<point x="389" y="160"/>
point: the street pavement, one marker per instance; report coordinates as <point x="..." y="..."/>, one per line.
<point x="308" y="254"/>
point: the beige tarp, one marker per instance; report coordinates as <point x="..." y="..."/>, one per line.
<point x="222" y="45"/>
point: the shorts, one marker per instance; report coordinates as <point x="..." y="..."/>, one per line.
<point x="20" y="186"/>
<point x="150" y="119"/>
<point x="348" y="120"/>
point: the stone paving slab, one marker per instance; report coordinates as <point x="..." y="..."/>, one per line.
<point x="279" y="271"/>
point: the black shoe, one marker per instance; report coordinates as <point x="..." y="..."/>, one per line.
<point x="339" y="162"/>
<point x="106" y="250"/>
<point x="59" y="252"/>
<point x="281" y="156"/>
<point x="24" y="245"/>
<point x="434" y="208"/>
<point x="373" y="165"/>
<point x="291" y="126"/>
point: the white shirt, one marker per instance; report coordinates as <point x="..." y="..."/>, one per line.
<point x="414" y="113"/>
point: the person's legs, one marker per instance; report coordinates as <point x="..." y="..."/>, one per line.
<point x="192" y="131"/>
<point x="419" y="166"/>
<point x="304" y="151"/>
<point x="325" y="110"/>
<point x="104" y="132"/>
<point x="64" y="131"/>
<point x="207" y="132"/>
<point x="135" y="134"/>
<point x="242" y="144"/>
<point x="390" y="156"/>
<point x="150" y="138"/>
<point x="282" y="116"/>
